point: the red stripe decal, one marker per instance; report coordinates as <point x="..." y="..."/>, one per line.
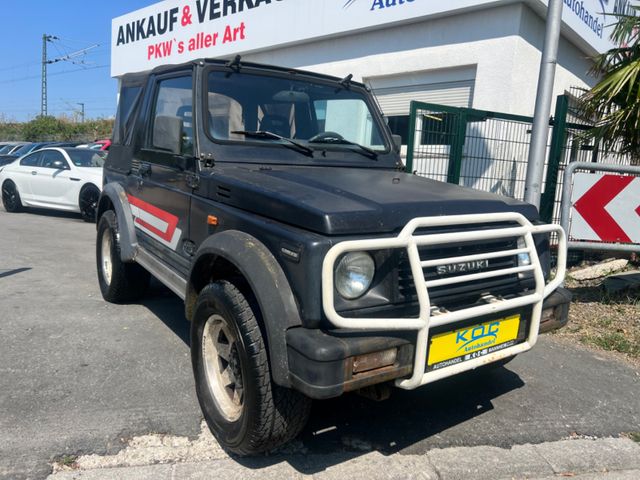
<point x="172" y="220"/>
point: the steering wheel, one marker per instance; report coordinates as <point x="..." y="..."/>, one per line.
<point x="326" y="136"/>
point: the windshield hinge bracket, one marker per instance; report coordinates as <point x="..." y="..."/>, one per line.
<point x="193" y="181"/>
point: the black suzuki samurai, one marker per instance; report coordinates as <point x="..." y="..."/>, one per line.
<point x="274" y="202"/>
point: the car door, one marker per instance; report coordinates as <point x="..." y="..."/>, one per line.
<point x="22" y="172"/>
<point x="53" y="184"/>
<point x="160" y="186"/>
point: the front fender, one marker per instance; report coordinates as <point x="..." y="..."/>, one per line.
<point x="114" y="195"/>
<point x="268" y="283"/>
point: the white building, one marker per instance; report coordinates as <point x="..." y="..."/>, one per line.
<point x="482" y="54"/>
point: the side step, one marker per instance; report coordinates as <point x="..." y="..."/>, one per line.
<point x="162" y="272"/>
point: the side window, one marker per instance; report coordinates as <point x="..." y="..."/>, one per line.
<point x="175" y="99"/>
<point x="54" y="159"/>
<point x="32" y="160"/>
<point x="129" y="99"/>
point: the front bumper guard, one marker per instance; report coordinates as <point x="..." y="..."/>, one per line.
<point x="407" y="239"/>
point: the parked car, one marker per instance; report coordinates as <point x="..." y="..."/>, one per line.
<point x="10" y="147"/>
<point x="20" y="151"/>
<point x="309" y="263"/>
<point x="101" y="144"/>
<point x="29" y="147"/>
<point x="67" y="179"/>
<point x="7" y="159"/>
<point x="64" y="144"/>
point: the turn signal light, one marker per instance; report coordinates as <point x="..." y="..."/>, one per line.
<point x="212" y="220"/>
<point x="371" y="361"/>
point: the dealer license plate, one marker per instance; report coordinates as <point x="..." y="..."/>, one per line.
<point x="463" y="344"/>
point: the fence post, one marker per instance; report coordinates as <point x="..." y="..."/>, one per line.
<point x="411" y="141"/>
<point x="558" y="139"/>
<point x="457" y="148"/>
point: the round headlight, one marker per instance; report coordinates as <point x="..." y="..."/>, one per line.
<point x="523" y="258"/>
<point x="354" y="274"/>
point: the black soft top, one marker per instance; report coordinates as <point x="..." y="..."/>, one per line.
<point x="131" y="79"/>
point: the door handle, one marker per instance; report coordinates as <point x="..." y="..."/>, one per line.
<point x="33" y="172"/>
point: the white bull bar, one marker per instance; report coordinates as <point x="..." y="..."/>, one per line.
<point x="425" y="320"/>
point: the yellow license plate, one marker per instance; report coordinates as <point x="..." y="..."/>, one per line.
<point x="481" y="338"/>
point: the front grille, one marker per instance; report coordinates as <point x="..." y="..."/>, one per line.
<point x="467" y="293"/>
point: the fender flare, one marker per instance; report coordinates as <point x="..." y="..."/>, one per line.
<point x="269" y="285"/>
<point x="115" y="194"/>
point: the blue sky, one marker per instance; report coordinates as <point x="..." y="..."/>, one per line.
<point x="78" y="24"/>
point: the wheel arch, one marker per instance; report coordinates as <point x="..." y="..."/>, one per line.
<point x="237" y="255"/>
<point x="88" y="185"/>
<point x="7" y="180"/>
<point x="113" y="197"/>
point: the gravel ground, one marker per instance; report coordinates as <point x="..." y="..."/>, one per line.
<point x="604" y="320"/>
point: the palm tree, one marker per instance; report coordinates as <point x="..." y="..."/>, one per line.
<point x="614" y="102"/>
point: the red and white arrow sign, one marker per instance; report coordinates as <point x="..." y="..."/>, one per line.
<point x="606" y="208"/>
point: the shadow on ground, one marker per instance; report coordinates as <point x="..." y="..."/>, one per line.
<point x="597" y="293"/>
<point x="45" y="212"/>
<point x="349" y="426"/>
<point x="165" y="305"/>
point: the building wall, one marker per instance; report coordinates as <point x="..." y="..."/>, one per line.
<point x="503" y="43"/>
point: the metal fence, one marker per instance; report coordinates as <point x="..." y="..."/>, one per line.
<point x="489" y="150"/>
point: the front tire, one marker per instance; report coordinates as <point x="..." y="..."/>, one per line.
<point x="246" y="412"/>
<point x="88" y="203"/>
<point x="120" y="282"/>
<point x="11" y="198"/>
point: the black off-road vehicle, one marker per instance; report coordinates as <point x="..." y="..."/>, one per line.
<point x="274" y="202"/>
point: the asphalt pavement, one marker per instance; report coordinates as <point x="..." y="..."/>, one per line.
<point x="79" y="376"/>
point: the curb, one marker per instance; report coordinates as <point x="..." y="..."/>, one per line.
<point x="608" y="458"/>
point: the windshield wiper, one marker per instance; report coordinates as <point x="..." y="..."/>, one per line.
<point x="366" y="151"/>
<point x="264" y="134"/>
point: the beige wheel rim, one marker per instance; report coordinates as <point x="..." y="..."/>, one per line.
<point x="222" y="367"/>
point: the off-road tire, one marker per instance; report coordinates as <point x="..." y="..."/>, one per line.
<point x="127" y="281"/>
<point x="88" y="202"/>
<point x="270" y="415"/>
<point x="11" y="197"/>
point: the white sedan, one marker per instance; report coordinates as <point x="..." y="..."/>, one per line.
<point x="67" y="179"/>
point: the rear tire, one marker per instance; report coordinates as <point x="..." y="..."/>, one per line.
<point x="120" y="282"/>
<point x="88" y="203"/>
<point x="245" y="411"/>
<point x="11" y="198"/>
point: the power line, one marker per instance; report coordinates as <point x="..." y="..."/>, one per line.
<point x="31" y="77"/>
<point x="98" y="52"/>
<point x="77" y="58"/>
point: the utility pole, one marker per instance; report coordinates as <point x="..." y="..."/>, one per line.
<point x="81" y="112"/>
<point x="43" y="99"/>
<point x="540" y="133"/>
<point x="70" y="57"/>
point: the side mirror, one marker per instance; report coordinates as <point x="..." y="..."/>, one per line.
<point x="397" y="142"/>
<point x="60" y="165"/>
<point x="167" y="133"/>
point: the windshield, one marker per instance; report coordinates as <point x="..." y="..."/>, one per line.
<point x="318" y="115"/>
<point x="87" y="158"/>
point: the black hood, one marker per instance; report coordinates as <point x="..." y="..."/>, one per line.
<point x="345" y="201"/>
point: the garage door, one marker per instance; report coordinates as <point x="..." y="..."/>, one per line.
<point x="452" y="87"/>
<point x="395" y="100"/>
